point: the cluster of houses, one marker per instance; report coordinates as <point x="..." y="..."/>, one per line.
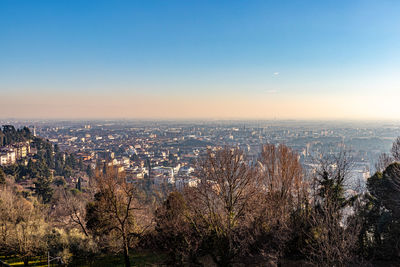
<point x="11" y="153"/>
<point x="138" y="169"/>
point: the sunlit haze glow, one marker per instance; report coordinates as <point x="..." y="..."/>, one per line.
<point x="200" y="59"/>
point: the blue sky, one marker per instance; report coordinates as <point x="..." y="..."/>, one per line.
<point x="244" y="59"/>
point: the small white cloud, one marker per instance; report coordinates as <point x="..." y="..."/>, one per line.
<point x="276" y="73"/>
<point x="273" y="91"/>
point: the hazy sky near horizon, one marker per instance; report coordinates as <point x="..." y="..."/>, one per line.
<point x="200" y="59"/>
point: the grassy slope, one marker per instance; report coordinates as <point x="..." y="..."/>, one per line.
<point x="137" y="259"/>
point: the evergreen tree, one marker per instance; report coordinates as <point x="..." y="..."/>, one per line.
<point x="2" y="176"/>
<point x="332" y="236"/>
<point x="380" y="236"/>
<point x="43" y="188"/>
<point x="80" y="165"/>
<point x="148" y="165"/>
<point x="79" y="184"/>
<point x="2" y="138"/>
<point x="59" y="163"/>
<point x="89" y="171"/>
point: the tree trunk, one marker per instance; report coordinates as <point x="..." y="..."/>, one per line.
<point x="26" y="261"/>
<point x="126" y="253"/>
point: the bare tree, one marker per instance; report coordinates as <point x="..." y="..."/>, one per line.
<point x="282" y="178"/>
<point x="174" y="229"/>
<point x="396" y="149"/>
<point x="115" y="209"/>
<point x="7" y="219"/>
<point x="333" y="233"/>
<point x="384" y="160"/>
<point x="333" y="239"/>
<point x="22" y="225"/>
<point x="73" y="206"/>
<point x="390" y="193"/>
<point x="223" y="201"/>
<point x="281" y="192"/>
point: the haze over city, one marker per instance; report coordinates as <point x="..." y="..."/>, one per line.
<point x="185" y="60"/>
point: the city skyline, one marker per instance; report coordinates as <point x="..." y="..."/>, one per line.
<point x="201" y="60"/>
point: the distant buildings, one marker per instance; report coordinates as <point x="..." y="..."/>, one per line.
<point x="11" y="153"/>
<point x="168" y="151"/>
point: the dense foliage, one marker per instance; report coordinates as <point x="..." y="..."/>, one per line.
<point x="9" y="135"/>
<point x="262" y="212"/>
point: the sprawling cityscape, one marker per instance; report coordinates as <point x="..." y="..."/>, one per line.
<point x="168" y="150"/>
<point x="199" y="133"/>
